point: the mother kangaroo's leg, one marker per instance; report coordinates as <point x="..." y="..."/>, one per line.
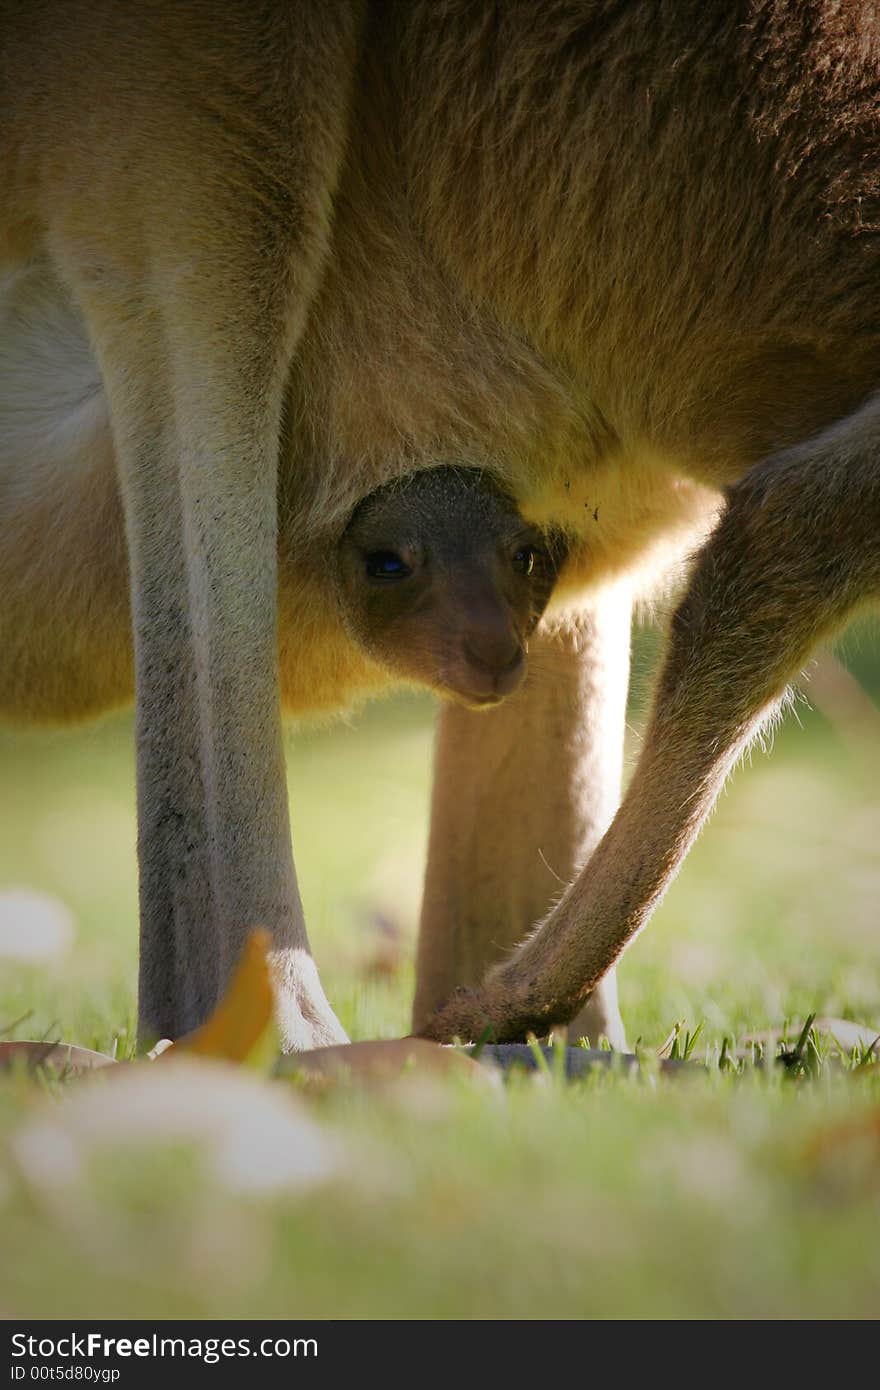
<point x="797" y="550"/>
<point x="522" y="795"/>
<point x="194" y="265"/>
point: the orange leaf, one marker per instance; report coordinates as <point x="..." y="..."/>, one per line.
<point x="242" y="1021"/>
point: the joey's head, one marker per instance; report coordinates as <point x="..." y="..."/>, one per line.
<point x="442" y="582"/>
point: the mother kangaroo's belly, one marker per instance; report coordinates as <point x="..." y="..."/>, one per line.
<point x="65" y="629"/>
<point x="625" y="516"/>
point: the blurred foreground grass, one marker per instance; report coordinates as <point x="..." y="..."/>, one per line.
<point x="729" y="1197"/>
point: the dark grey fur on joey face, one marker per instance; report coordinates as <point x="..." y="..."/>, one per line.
<point x="442" y="581"/>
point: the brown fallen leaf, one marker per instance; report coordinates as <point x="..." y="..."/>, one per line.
<point x="58" y="1057"/>
<point x="381" y="1061"/>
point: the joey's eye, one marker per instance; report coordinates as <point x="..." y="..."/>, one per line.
<point x="524" y="560"/>
<point x="385" y="566"/>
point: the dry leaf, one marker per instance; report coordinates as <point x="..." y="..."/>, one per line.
<point x="241" y="1028"/>
<point x="382" y="1061"/>
<point x="61" y="1057"/>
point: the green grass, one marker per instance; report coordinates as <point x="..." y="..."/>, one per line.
<point x="724" y="1196"/>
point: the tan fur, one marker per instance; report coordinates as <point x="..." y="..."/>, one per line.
<point x="622" y="256"/>
<point x="478" y="893"/>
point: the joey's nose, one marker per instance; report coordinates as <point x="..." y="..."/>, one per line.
<point x="496" y="664"/>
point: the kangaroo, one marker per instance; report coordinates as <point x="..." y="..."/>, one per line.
<point x="621" y="258"/>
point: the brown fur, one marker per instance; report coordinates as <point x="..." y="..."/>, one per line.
<point x="621" y="256"/>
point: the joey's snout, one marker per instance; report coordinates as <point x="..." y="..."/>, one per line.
<point x="493" y="664"/>
<point x="487" y="654"/>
